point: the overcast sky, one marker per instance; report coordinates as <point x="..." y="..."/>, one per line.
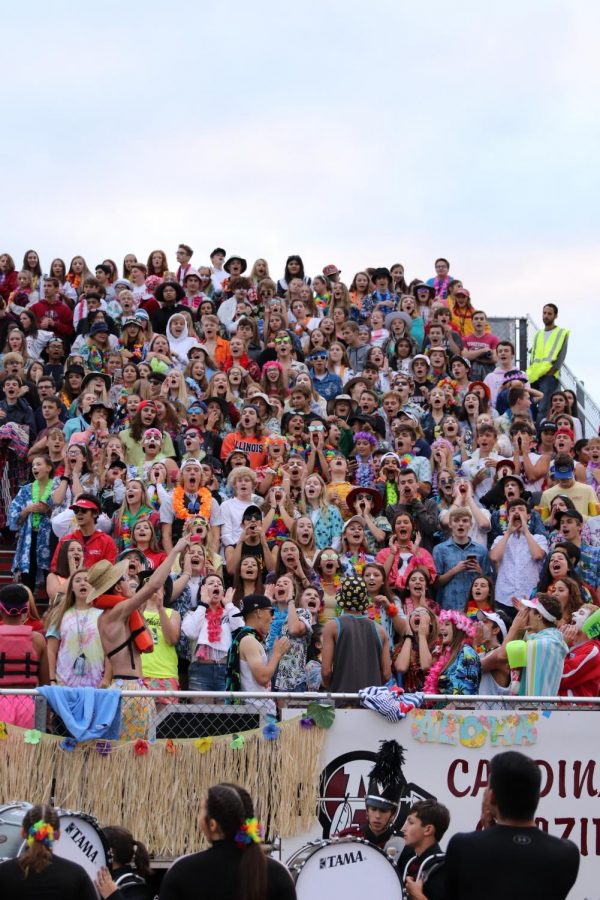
<point x="349" y="132"/>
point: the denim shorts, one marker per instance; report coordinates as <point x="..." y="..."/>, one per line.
<point x="207" y="676"/>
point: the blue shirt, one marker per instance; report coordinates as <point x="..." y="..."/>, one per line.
<point x="448" y="554"/>
<point x="589" y="565"/>
<point x="329" y="386"/>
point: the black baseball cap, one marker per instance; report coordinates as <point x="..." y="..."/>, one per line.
<point x="117" y="464"/>
<point x="251" y="603"/>
<point x="568" y="514"/>
<point x="548" y="425"/>
<point x="251" y="512"/>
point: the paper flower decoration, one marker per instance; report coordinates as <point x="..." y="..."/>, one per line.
<point x="203" y="744"/>
<point x="270" y="731"/>
<point x="103" y="747"/>
<point x="171" y="747"/>
<point x="32" y="736"/>
<point x="140" y="747"/>
<point x="307" y="722"/>
<point x="68" y="744"/>
<point x="3" y="731"/>
<point x="237" y="741"/>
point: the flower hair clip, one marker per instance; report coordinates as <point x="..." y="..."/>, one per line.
<point x="250" y="833"/>
<point x="42" y="832"/>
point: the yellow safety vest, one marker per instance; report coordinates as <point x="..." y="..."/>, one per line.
<point x="546" y="348"/>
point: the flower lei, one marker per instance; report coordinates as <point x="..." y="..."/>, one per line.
<point x="589" y="476"/>
<point x="128" y="521"/>
<point x="378" y="613"/>
<point x="440" y="286"/>
<point x="337" y="581"/>
<point x="431" y="685"/>
<point x="137" y="350"/>
<point x="213" y="620"/>
<point x="503" y="521"/>
<point x="365" y="473"/>
<point x="181" y="508"/>
<point x="391" y="493"/>
<point x="193" y="384"/>
<point x="357" y="562"/>
<point x="36" y="518"/>
<point x="472" y="609"/>
<point x="40" y="831"/>
<point x="460" y="622"/>
<point x="249" y="833"/>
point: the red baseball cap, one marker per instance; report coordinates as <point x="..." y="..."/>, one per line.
<point x="85" y="504"/>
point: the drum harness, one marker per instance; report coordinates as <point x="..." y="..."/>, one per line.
<point x="430" y="864"/>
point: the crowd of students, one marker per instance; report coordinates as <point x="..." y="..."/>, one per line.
<point x="369" y="483"/>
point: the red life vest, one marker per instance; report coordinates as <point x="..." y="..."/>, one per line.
<point x="19" y="664"/>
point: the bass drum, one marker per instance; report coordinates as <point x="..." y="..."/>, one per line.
<point x="348" y="868"/>
<point x="81" y="839"/>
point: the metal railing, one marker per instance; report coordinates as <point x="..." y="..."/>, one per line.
<point x="192" y="714"/>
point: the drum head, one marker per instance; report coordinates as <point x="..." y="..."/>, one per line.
<point x="81" y="841"/>
<point x="11" y="817"/>
<point x="344" y="868"/>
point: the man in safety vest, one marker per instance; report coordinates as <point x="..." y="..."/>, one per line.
<point x="548" y="353"/>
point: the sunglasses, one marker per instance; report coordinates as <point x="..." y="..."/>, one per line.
<point x="282" y="341"/>
<point x="329" y="557"/>
<point x="446" y="482"/>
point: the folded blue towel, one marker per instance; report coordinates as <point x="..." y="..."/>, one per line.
<point x="88" y="713"/>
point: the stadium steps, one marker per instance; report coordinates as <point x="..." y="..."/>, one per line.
<point x="7" y="553"/>
<point x="6" y="559"/>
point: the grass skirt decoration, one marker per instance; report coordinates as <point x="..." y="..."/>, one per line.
<point x="154" y="789"/>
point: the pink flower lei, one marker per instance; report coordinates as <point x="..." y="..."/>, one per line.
<point x="461" y="623"/>
<point x="213" y="620"/>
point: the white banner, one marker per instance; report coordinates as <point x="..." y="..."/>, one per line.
<point x="447" y="756"/>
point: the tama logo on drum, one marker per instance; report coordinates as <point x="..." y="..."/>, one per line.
<point x="341" y="859"/>
<point x="81" y="841"/>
